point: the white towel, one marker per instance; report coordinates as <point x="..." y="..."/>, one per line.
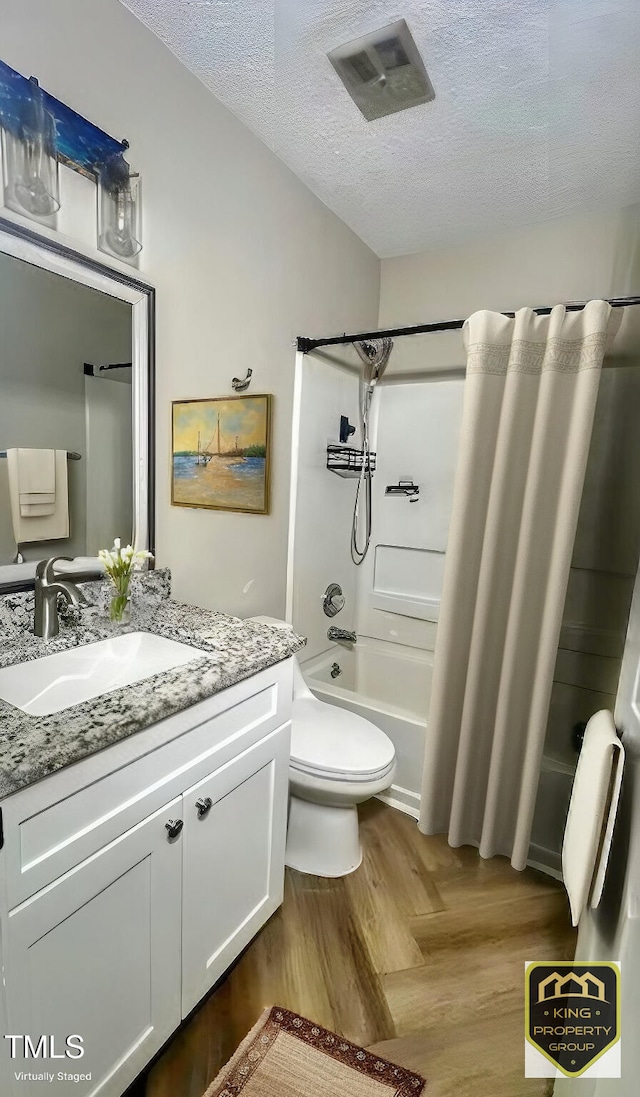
<point x="42" y="512"/>
<point x="36" y="470"/>
<point x="31" y="505"/>
<point x="592" y="811"/>
<point x="86" y="565"/>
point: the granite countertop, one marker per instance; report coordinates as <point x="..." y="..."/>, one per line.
<point x="32" y="747"/>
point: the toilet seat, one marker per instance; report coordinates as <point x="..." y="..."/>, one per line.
<point x="347" y="778"/>
<point x="331" y="742"/>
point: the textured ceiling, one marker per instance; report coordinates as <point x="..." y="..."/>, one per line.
<point x="536" y="115"/>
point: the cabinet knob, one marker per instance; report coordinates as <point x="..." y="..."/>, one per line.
<point x="174" y="826"/>
<point x="203" y="805"/>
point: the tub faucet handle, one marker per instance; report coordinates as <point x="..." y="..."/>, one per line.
<point x="333" y="600"/>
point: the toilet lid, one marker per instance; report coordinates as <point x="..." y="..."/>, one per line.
<point x="328" y="740"/>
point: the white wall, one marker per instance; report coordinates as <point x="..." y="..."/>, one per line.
<point x="243" y="256"/>
<point x="573" y="259"/>
<point x="50" y="327"/>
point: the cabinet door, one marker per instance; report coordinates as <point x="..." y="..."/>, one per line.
<point x="233" y="860"/>
<point x="97" y="954"/>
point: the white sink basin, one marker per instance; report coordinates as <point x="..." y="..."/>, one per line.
<point x="56" y="682"/>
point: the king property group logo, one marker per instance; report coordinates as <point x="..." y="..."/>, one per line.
<point x="572" y="1018"/>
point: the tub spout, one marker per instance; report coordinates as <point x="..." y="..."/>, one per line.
<point x="341" y="634"/>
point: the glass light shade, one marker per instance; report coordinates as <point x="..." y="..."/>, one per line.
<point x="29" y="157"/>
<point x="119" y="211"/>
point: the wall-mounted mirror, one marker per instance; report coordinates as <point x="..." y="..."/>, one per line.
<point x="76" y="385"/>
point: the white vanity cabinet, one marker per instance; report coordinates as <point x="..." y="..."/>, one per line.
<point x="98" y="954"/>
<point x="132" y="879"/>
<point x="233" y="860"/>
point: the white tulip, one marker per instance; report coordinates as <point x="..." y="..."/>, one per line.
<point x="120" y="562"/>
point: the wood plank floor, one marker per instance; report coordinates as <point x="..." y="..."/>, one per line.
<point x="418" y="954"/>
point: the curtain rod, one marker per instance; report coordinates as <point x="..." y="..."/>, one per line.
<point x="305" y="345"/>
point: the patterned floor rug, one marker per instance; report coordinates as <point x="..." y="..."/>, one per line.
<point x="285" y="1055"/>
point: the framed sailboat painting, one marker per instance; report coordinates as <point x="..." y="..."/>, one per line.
<point x="221" y="453"/>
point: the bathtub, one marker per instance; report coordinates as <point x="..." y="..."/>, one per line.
<point x="389" y="684"/>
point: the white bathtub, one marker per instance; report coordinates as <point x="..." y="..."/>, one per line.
<point x="390" y="685"/>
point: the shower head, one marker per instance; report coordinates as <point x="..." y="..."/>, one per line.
<point x="374" y="353"/>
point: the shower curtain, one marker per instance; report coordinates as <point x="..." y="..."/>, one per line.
<point x="529" y="400"/>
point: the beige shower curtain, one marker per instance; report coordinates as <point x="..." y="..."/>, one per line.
<point x="529" y="400"/>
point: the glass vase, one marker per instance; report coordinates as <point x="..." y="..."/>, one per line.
<point x="120" y="609"/>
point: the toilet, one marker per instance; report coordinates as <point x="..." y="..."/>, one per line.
<point x="338" y="760"/>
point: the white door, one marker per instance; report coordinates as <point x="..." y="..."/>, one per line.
<point x="97" y="954"/>
<point x="233" y="860"/>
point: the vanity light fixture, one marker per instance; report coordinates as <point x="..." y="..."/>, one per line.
<point x="119" y="217"/>
<point x="39" y="132"/>
<point x="29" y="157"/>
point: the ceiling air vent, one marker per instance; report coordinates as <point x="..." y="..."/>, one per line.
<point x="383" y="71"/>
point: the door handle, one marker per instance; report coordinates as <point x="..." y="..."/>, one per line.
<point x="203" y="805"/>
<point x="173" y="827"/>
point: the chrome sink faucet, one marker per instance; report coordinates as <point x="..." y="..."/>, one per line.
<point x="337" y="634"/>
<point x="48" y="586"/>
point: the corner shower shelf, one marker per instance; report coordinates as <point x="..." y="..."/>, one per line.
<point x="348" y="462"/>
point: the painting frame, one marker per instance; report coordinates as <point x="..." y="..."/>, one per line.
<point x="213" y="403"/>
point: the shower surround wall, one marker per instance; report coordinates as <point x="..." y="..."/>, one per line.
<point x="324" y="503"/>
<point x="392" y="599"/>
<point x="400" y="581"/>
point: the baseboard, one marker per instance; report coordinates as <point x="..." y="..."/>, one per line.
<point x="402" y="799"/>
<point x="544" y="860"/>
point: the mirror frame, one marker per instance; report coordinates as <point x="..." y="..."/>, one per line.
<point x="51" y="254"/>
